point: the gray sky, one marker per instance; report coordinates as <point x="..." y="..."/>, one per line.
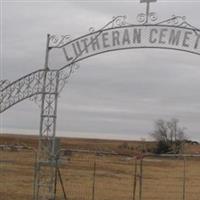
<point x="113" y="95"/>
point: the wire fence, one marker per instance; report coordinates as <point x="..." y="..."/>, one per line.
<point x="99" y="176"/>
<point x="174" y="177"/>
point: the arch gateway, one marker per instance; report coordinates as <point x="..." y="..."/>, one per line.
<point x="44" y="85"/>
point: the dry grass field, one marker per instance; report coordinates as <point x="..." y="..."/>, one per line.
<point x="114" y="175"/>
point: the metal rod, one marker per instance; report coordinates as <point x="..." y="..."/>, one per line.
<point x="43" y="87"/>
<point x="62" y="185"/>
<point x="135" y="179"/>
<point x="94" y="181"/>
<point x="56" y="176"/>
<point x="141" y="178"/>
<point x="184" y="177"/>
<point x="147" y="12"/>
<point x="34" y="184"/>
<point x="55" y="110"/>
<point x="47" y="53"/>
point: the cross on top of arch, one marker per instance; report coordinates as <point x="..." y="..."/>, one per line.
<point x="147" y="8"/>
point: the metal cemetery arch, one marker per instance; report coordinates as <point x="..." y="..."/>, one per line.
<point x="43" y="86"/>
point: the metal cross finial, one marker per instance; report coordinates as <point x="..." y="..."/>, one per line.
<point x="148" y="7"/>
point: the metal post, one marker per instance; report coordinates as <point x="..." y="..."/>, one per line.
<point x="135" y="179"/>
<point x="53" y="151"/>
<point x="55" y="187"/>
<point x="94" y="181"/>
<point x="184" y="177"/>
<point x="147" y="12"/>
<point x="46" y="160"/>
<point x="46" y="63"/>
<point x="62" y="185"/>
<point x="43" y="92"/>
<point x="35" y="166"/>
<point x="141" y="178"/>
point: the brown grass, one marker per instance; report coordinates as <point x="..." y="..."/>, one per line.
<point x="162" y="177"/>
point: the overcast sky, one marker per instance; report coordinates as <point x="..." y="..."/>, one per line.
<point x="114" y="95"/>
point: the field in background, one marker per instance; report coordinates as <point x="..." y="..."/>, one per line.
<point x="89" y="176"/>
<point x="118" y="146"/>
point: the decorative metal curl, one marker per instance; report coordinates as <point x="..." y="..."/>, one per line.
<point x="65" y="74"/>
<point x="142" y="17"/>
<point x="50" y="87"/>
<point x="153" y="16"/>
<point x="119" y="21"/>
<point x="91" y="29"/>
<point x="59" y="40"/>
<point x="179" y="21"/>
<point x="174" y="20"/>
<point x="36" y="99"/>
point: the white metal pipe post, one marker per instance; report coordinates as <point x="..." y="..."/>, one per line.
<point x="44" y="183"/>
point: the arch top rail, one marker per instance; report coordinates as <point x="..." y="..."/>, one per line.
<point x="174" y="33"/>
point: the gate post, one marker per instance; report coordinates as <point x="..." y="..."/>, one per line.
<point x="46" y="164"/>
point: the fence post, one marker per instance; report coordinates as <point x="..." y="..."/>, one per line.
<point x="56" y="176"/>
<point x="35" y="165"/>
<point x="184" y="176"/>
<point x="141" y="177"/>
<point x="94" y="180"/>
<point x="135" y="179"/>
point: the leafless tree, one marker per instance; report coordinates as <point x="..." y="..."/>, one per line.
<point x="169" y="135"/>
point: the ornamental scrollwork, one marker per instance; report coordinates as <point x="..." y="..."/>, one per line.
<point x="153" y="16"/>
<point x="21" y="89"/>
<point x="119" y="21"/>
<point x="142" y="17"/>
<point x="178" y="21"/>
<point x="65" y="74"/>
<point x="91" y="30"/>
<point x="32" y="86"/>
<point x="57" y="41"/>
<point x="4" y="84"/>
<point x="116" y="22"/>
